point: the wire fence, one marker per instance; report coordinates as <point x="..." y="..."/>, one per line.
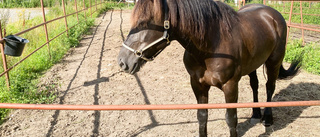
<point x="303" y="11"/>
<point x="87" y="11"/>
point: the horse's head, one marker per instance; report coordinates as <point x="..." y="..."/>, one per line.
<point x="148" y="35"/>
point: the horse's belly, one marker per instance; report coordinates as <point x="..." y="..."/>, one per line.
<point x="248" y="70"/>
<point x="252" y="64"/>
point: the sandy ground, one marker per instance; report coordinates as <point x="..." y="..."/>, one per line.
<point x="89" y="75"/>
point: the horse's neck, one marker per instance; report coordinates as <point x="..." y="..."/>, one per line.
<point x="208" y="45"/>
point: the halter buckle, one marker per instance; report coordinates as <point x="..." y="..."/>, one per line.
<point x="166" y="24"/>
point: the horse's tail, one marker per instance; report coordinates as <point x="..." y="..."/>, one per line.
<point x="292" y="70"/>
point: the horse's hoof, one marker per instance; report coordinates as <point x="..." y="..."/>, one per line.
<point x="255" y="121"/>
<point x="267" y="122"/>
<point x="233" y="132"/>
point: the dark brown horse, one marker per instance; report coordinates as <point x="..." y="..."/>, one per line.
<point x="221" y="46"/>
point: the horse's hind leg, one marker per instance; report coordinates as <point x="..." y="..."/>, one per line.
<point x="256" y="112"/>
<point x="201" y="93"/>
<point x="272" y="72"/>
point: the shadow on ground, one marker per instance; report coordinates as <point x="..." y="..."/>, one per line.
<point x="283" y="116"/>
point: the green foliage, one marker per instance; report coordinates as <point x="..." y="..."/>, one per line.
<point x="310" y="11"/>
<point x="295" y="49"/>
<point x="24" y="78"/>
<point x="26" y="3"/>
<point x="310" y="53"/>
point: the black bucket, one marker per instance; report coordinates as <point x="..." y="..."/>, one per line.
<point x="14" y="45"/>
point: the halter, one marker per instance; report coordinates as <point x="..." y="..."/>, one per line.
<point x="165" y="36"/>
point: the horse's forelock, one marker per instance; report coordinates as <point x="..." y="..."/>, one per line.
<point x="145" y="11"/>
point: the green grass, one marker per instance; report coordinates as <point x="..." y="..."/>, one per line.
<point x="296" y="18"/>
<point x="310" y="55"/>
<point x="46" y="3"/>
<point x="24" y="78"/>
<point x="311" y="51"/>
<point x="307" y="19"/>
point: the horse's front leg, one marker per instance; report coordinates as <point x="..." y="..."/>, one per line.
<point x="230" y="90"/>
<point x="201" y="93"/>
<point x="256" y="112"/>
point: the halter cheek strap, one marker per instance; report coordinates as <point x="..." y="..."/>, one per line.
<point x="165" y="36"/>
<point x="139" y="53"/>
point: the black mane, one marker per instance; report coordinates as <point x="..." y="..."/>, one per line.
<point x="195" y="17"/>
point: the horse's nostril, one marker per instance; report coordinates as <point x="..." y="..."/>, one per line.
<point x="123" y="65"/>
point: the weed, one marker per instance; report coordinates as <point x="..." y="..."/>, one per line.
<point x="4" y="16"/>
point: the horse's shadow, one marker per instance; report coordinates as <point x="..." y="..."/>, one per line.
<point x="283" y="116"/>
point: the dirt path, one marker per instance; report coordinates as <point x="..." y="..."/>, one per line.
<point x="89" y="75"/>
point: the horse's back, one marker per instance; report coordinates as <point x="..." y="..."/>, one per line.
<point x="261" y="14"/>
<point x="260" y="11"/>
<point x="263" y="31"/>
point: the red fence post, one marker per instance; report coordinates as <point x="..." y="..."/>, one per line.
<point x="84" y="9"/>
<point x="75" y="3"/>
<point x="309" y="4"/>
<point x="289" y="22"/>
<point x="302" y="30"/>
<point x="4" y="59"/>
<point x="65" y="16"/>
<point x="284" y="6"/>
<point x="90" y="8"/>
<point x="45" y="26"/>
<point x="101" y="4"/>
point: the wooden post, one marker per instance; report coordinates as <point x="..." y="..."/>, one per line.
<point x="4" y="59"/>
<point x="65" y="17"/>
<point x="45" y="27"/>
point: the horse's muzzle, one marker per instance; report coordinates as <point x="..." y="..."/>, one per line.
<point x="123" y="65"/>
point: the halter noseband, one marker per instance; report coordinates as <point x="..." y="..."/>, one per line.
<point x="165" y="36"/>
